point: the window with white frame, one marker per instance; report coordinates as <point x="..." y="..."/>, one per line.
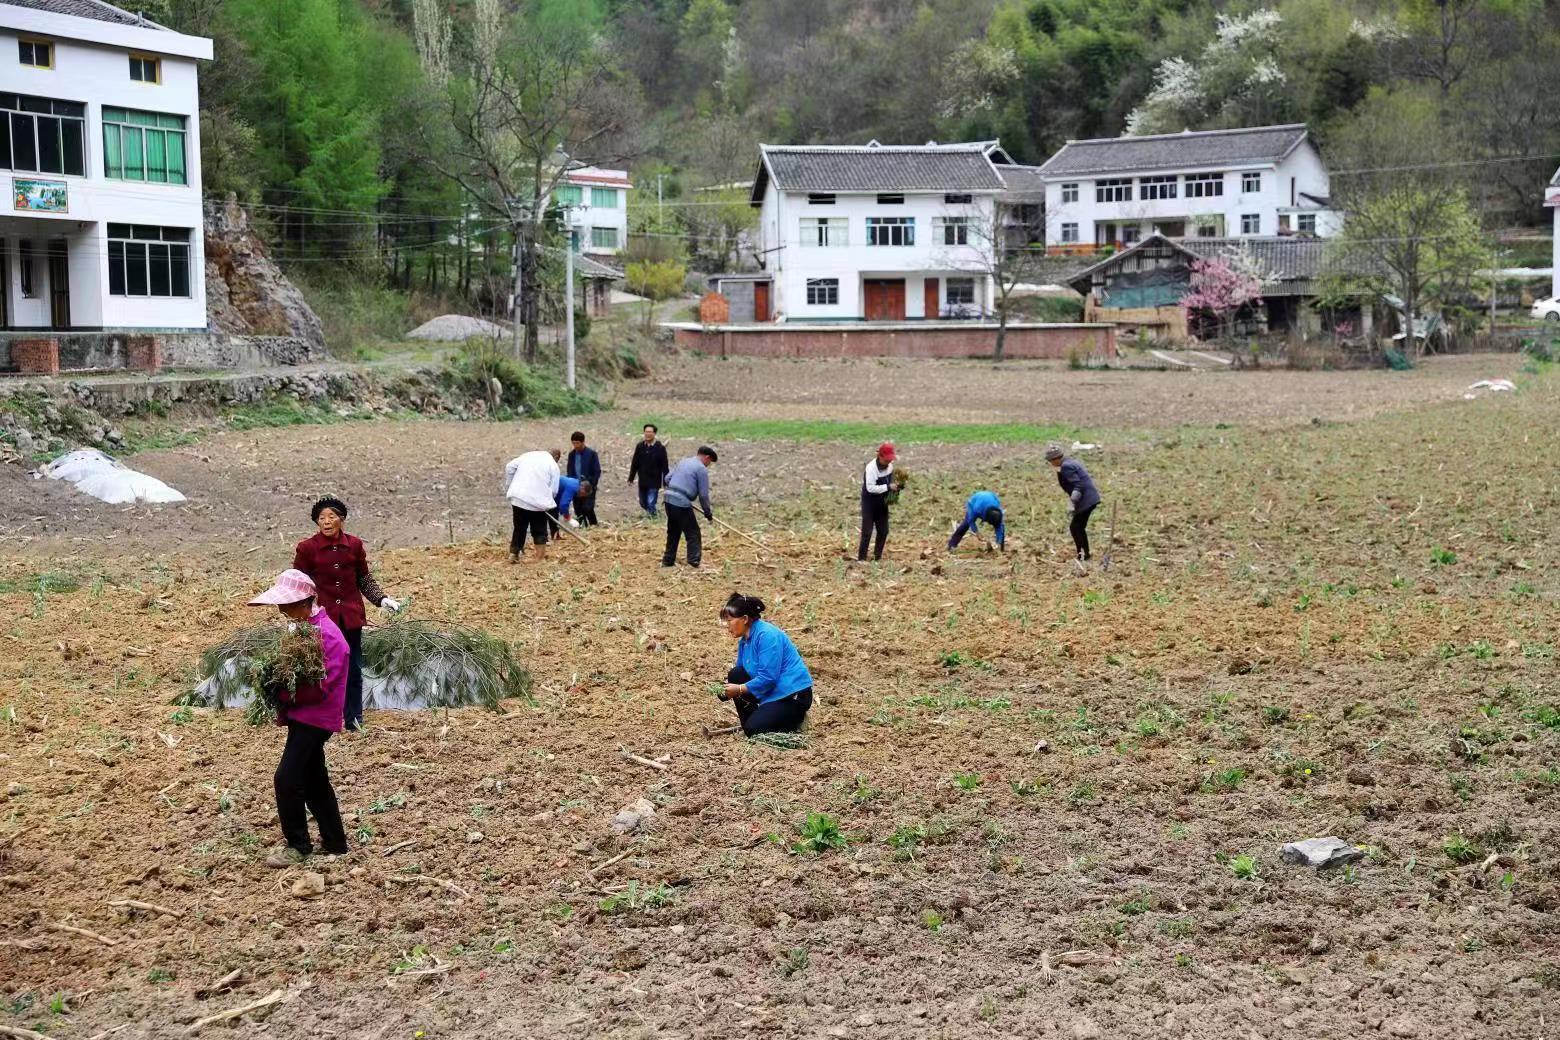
<point x="1130" y="233"/>
<point x="1204" y="185"/>
<point x="823" y="292"/>
<point x="951" y="231"/>
<point x="603" y="238"/>
<point x="40" y="135"/>
<point x="37" y="53"/>
<point x="820" y="198"/>
<point x="890" y="231"/>
<point x="144" y="69"/>
<point x="604" y="198"/>
<point x="1113" y="189"/>
<point x="960" y="292"/>
<point x="825" y="231"/>
<point x="568" y="194"/>
<point x="143" y="146"/>
<point x="148" y="261"/>
<point x="1157" y="187"/>
<point x="1305" y="223"/>
<point x="1069" y="232"/>
<point x="1251" y="223"/>
<point x="1069" y="193"/>
<point x="1250" y="182"/>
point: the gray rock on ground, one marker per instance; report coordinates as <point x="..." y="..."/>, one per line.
<point x="457" y="328"/>
<point x="634" y="816"/>
<point x="1321" y="853"/>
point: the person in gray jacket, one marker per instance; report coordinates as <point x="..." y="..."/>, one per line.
<point x="1081" y="493"/>
<point x="689" y="481"/>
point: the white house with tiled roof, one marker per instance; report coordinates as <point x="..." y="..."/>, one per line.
<point x="597" y="200"/>
<point x="875" y="232"/>
<point x="100" y="227"/>
<point x="1255" y="181"/>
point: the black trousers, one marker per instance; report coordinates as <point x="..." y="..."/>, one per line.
<point x="784" y="715"/>
<point x="302" y="782"/>
<point x="353" y="712"/>
<point x="555" y="525"/>
<point x="585" y="511"/>
<point x="682" y="523"/>
<point x="1080" y="530"/>
<point x="532" y="520"/>
<point x="874" y="517"/>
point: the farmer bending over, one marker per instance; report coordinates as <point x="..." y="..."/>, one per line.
<point x="769" y="685"/>
<point x="313" y="714"/>
<point x="983" y="505"/>
<point x="1081" y="493"/>
<point x="687" y="484"/>
<point x="531" y="486"/>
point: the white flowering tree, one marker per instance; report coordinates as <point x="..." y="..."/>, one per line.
<point x="1236" y="80"/>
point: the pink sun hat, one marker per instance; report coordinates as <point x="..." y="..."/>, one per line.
<point x="291" y="587"/>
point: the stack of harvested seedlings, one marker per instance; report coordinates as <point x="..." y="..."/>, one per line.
<point x="417" y="664"/>
<point x="902" y="478"/>
<point x="275" y="660"/>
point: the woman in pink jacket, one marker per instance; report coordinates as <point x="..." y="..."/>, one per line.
<point x="301" y="779"/>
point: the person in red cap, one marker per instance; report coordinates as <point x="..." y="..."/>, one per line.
<point x="315" y="713"/>
<point x="876" y="482"/>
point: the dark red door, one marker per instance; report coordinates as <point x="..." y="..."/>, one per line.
<point x="760" y="301"/>
<point x="884" y="299"/>
<point x="933" y="301"/>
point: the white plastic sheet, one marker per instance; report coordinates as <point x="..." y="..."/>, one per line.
<point x="108" y="480"/>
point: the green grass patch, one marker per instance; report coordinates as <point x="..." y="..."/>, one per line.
<point x="824" y="430"/>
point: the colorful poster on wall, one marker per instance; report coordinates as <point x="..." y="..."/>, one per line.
<point x="40" y="196"/>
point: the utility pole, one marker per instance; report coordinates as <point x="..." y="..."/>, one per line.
<point x="568" y="297"/>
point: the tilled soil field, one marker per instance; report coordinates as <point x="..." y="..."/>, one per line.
<point x="1053" y="804"/>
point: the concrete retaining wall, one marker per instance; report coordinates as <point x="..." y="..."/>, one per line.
<point x="918" y="340"/>
<point x="143" y="352"/>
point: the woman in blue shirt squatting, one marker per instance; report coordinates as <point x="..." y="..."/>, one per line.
<point x="983" y="505"/>
<point x="769" y="685"/>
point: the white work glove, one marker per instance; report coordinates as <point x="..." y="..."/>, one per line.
<point x="390" y="605"/>
<point x="573" y="522"/>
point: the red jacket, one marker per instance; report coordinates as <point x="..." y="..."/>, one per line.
<point x="339" y="567"/>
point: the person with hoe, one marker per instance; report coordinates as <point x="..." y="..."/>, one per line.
<point x="688" y="482"/>
<point x="876" y="482"/>
<point x="650" y="466"/>
<point x="312" y="715"/>
<point x="531" y="485"/>
<point x="570" y="491"/>
<point x="1081" y="494"/>
<point x="337" y="563"/>
<point x="983" y="505"/>
<point x="584" y="466"/>
<point x="769" y="685"/>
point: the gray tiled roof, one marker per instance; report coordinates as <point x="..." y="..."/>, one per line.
<point x="1296" y="264"/>
<point x="961" y="167"/>
<point x="589" y="267"/>
<point x="1022" y="180"/>
<point x="97" y="10"/>
<point x="1174" y="151"/>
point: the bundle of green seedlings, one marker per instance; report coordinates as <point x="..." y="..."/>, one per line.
<point x="269" y="662"/>
<point x="445" y="666"/>
<point x="902" y="478"/>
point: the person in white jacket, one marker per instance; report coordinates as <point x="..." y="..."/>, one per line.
<point x="531" y="485"/>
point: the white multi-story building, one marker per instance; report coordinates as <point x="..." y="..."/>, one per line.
<point x="100" y="146"/>
<point x="1552" y="200"/>
<point x="598" y="205"/>
<point x="875" y="232"/>
<point x="1258" y="181"/>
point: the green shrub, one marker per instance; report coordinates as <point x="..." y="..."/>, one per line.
<point x="523" y="389"/>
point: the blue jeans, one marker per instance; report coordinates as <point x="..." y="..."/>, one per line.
<point x="648" y="496"/>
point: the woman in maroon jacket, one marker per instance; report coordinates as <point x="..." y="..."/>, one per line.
<point x="338" y="563"/>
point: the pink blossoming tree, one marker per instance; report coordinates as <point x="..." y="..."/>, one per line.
<point x="1220" y="288"/>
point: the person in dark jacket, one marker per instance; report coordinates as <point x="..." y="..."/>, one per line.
<point x="687" y="486"/>
<point x="1081" y="493"/>
<point x="651" y="466"/>
<point x="337" y="562"/>
<point x="876" y="483"/>
<point x="584" y="466"/>
<point x="769" y="685"/>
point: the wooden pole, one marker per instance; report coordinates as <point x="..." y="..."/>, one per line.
<point x="741" y="534"/>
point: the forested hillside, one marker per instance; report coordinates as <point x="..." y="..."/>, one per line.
<point x="324" y="113"/>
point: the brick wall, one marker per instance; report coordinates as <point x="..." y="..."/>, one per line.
<point x="144" y="353"/>
<point x="939" y="341"/>
<point x="36" y="356"/>
<point x="714" y="309"/>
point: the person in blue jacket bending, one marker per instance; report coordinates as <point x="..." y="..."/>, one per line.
<point x="769" y="685"/>
<point x="983" y="505"/>
<point x="569" y="488"/>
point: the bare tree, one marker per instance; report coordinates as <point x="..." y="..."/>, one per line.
<point x="516" y="103"/>
<point x="979" y="243"/>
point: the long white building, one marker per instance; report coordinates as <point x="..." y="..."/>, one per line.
<point x="873" y="232"/>
<point x="100" y="149"/>
<point x="1252" y="182"/>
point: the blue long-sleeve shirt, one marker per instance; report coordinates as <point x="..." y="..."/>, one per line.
<point x="770" y="658"/>
<point x="975" y="512"/>
<point x="568" y="487"/>
<point x="688" y="481"/>
<point x="585" y="464"/>
<point x="1075" y="480"/>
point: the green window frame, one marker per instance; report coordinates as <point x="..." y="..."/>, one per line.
<point x="604" y="198"/>
<point x="567" y="194"/>
<point x="603" y="238"/>
<point x="144" y="146"/>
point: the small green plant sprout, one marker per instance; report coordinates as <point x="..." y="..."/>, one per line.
<point x="906" y="841"/>
<point x="637" y="898"/>
<point x="411" y="960"/>
<point x="182" y="716"/>
<point x="559" y="911"/>
<point x="503" y="945"/>
<point x="394" y="801"/>
<point x="1029" y="788"/>
<point x="1142" y="903"/>
<point x="1442" y="557"/>
<point x="365" y="831"/>
<point x="967" y="781"/>
<point x="1183" y="960"/>
<point x="160" y="975"/>
<point x="951" y="659"/>
<point x="864" y="792"/>
<point x="1303" y="771"/>
<point x="1244" y="867"/>
<point x="820" y="833"/>
<point x="1225" y="780"/>
<point x="1084" y="792"/>
<point x="796" y="960"/>
<point x="1462" y="787"/>
<point x="57" y="1005"/>
<point x="1460" y="849"/>
<point x="932" y="920"/>
<point x="1147" y="727"/>
<point x="1275" y="715"/>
